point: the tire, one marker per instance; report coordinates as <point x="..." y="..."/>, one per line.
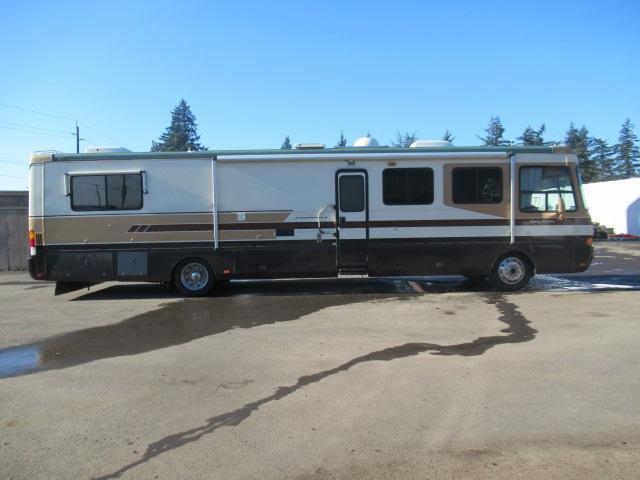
<point x="193" y="277"/>
<point x="511" y="272"/>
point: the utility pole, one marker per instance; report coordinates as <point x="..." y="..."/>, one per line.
<point x="77" y="138"/>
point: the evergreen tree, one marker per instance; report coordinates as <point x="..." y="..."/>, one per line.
<point x="182" y="134"/>
<point x="286" y="144"/>
<point x="601" y="154"/>
<point x="448" y="136"/>
<point x="342" y="141"/>
<point x="404" y="141"/>
<point x="495" y="133"/>
<point x="578" y="140"/>
<point x="627" y="154"/>
<point x="532" y="137"/>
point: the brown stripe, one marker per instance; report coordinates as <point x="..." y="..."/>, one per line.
<point x="181" y="227"/>
<point x="207" y="227"/>
<point x="427" y="223"/>
<point x="257" y="226"/>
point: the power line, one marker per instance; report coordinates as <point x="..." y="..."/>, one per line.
<point x="11" y="162"/>
<point x="12" y="176"/>
<point x="32" y="126"/>
<point x="38" y="133"/>
<point x="103" y="134"/>
<point x="9" y="158"/>
<point x="36" y="112"/>
<point x="30" y="110"/>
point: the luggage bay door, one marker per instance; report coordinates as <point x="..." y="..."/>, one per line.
<point x="352" y="207"/>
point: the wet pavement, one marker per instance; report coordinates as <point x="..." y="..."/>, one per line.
<point x="173" y="375"/>
<point x="245" y="304"/>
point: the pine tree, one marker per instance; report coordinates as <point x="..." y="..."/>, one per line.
<point x="578" y="140"/>
<point x="531" y="137"/>
<point x="601" y="154"/>
<point x="627" y="153"/>
<point x="495" y="133"/>
<point x="182" y="134"/>
<point x="286" y="144"/>
<point x="342" y="141"/>
<point x="404" y="141"/>
<point x="448" y="136"/>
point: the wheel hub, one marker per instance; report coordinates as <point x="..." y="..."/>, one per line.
<point x="511" y="270"/>
<point x="194" y="276"/>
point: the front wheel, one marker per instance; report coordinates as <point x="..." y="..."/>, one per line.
<point x="511" y="272"/>
<point x="193" y="277"/>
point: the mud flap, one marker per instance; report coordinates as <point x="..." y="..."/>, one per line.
<point x="66" y="287"/>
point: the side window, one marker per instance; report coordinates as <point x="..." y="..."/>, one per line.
<point x="106" y="192"/>
<point x="477" y="185"/>
<point x="88" y="192"/>
<point x="407" y="186"/>
<point x="351" y="193"/>
<point x="124" y="192"/>
<point x="541" y="189"/>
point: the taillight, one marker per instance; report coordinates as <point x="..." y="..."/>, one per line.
<point x="32" y="242"/>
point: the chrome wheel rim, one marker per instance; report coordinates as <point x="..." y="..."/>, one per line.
<point x="511" y="270"/>
<point x="194" y="276"/>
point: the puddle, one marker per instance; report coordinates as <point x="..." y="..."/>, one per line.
<point x="246" y="304"/>
<point x="518" y="330"/>
<point x="172" y="324"/>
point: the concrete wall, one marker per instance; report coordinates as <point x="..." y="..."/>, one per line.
<point x="14" y="243"/>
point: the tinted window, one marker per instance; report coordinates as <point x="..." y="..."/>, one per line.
<point x="88" y="192"/>
<point x="541" y="189"/>
<point x="407" y="186"/>
<point x="351" y="193"/>
<point x="106" y="192"/>
<point x="477" y="185"/>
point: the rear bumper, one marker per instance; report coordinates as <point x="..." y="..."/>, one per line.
<point x="35" y="265"/>
<point x="31" y="265"/>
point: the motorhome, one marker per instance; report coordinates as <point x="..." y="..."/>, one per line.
<point x="200" y="218"/>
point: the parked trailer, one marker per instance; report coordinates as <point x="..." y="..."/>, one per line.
<point x="197" y="218"/>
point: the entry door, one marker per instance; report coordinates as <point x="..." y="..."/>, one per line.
<point x="352" y="218"/>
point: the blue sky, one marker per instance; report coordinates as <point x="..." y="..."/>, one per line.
<point x="256" y="71"/>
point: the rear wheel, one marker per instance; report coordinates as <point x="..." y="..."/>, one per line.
<point x="193" y="277"/>
<point x="511" y="272"/>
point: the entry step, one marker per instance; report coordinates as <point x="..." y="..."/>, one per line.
<point x="352" y="272"/>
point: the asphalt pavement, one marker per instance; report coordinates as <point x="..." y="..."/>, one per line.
<point x="341" y="378"/>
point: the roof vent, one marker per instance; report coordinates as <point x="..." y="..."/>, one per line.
<point x="366" y="142"/>
<point x="308" y="146"/>
<point x="430" y="144"/>
<point x="106" y="150"/>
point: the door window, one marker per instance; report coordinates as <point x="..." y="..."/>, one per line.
<point x="351" y="193"/>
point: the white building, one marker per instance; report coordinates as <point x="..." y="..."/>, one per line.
<point x="615" y="204"/>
